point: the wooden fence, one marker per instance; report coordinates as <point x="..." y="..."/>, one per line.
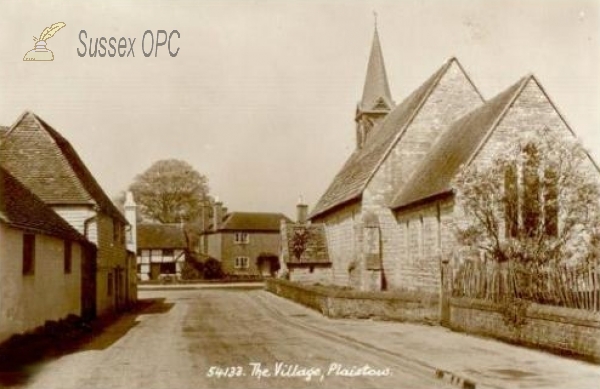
<point x="561" y="285"/>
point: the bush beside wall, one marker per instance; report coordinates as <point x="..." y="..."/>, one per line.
<point x="561" y="330"/>
<point x="344" y="303"/>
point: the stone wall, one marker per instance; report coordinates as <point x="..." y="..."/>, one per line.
<point x="426" y="238"/>
<point x="311" y="274"/>
<point x="341" y="303"/>
<point x="343" y="240"/>
<point x="561" y="330"/>
<point x="454" y="96"/>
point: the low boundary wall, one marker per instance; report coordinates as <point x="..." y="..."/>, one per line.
<point x="342" y="303"/>
<point x="564" y="331"/>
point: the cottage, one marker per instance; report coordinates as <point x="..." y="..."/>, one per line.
<point x="46" y="163"/>
<point x="41" y="260"/>
<point x="246" y="243"/>
<point x="160" y="250"/>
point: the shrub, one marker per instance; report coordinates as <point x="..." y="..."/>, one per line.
<point x="191" y="270"/>
<point x="212" y="269"/>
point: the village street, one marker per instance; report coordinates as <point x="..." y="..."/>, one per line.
<point x="183" y="332"/>
<point x="175" y="342"/>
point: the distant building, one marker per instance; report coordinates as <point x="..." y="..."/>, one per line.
<point x="46" y="163"/>
<point x="304" y="253"/>
<point x="239" y="239"/>
<point x="160" y="250"/>
<point x="41" y="261"/>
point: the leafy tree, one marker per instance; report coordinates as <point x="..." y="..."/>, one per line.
<point x="170" y="191"/>
<point x="537" y="202"/>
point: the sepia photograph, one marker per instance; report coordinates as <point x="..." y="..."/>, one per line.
<point x="223" y="194"/>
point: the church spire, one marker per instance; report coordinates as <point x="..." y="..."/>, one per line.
<point x="376" y="84"/>
<point x="376" y="99"/>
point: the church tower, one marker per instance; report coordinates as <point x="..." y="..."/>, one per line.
<point x="376" y="100"/>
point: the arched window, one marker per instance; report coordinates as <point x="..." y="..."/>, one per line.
<point x="530" y="196"/>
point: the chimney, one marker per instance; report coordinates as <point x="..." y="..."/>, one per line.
<point x="217" y="214"/>
<point x="131" y="216"/>
<point x="301" y="211"/>
<point x="205" y="215"/>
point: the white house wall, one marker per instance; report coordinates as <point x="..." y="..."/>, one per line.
<point x="28" y="301"/>
<point x="76" y="216"/>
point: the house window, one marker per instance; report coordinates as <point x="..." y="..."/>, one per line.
<point x="118" y="232"/>
<point x="67" y="257"/>
<point x="28" y="254"/>
<point x="109" y="284"/>
<point x="242" y="262"/>
<point x="531" y="197"/>
<point x="168" y="268"/>
<point x="550" y="202"/>
<point x="241" y="237"/>
<point x="511" y="198"/>
<point x="167" y="252"/>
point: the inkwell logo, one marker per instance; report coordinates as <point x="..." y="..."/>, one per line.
<point x="40" y="52"/>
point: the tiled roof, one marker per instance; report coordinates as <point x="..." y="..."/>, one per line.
<point x="253" y="221"/>
<point x="350" y="182"/>
<point x="316" y="244"/>
<point x="160" y="236"/>
<point x="48" y="165"/>
<point x="455" y="148"/>
<point x="21" y="209"/>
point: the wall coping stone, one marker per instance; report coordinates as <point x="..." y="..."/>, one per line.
<point x="325" y="291"/>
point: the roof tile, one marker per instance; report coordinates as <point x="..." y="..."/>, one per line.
<point x="22" y="209"/>
<point x="48" y="165"/>
<point x="253" y="221"/>
<point x="160" y="236"/>
<point x="350" y="182"/>
<point x="455" y="147"/>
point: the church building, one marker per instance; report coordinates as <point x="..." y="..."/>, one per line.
<point x="387" y="213"/>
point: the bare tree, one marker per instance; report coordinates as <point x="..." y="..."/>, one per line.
<point x="170" y="191"/>
<point x="536" y="202"/>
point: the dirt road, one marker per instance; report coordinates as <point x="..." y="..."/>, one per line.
<point x="224" y="338"/>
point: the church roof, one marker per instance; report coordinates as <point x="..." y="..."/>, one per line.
<point x="455" y="148"/>
<point x="20" y="208"/>
<point x="49" y="166"/>
<point x="352" y="179"/>
<point x="376" y="83"/>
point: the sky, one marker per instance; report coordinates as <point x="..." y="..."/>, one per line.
<point x="262" y="94"/>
